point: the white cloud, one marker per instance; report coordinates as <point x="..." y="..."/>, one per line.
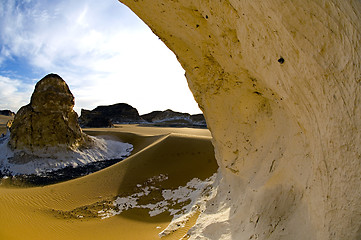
<point x="102" y="50"/>
<point x="14" y="93"/>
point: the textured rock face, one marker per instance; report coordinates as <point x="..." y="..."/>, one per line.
<point x="104" y="116"/>
<point x="158" y="116"/>
<point x="171" y="118"/>
<point x="49" y="120"/>
<point x="198" y="119"/>
<point x="279" y="84"/>
<point x="92" y="119"/>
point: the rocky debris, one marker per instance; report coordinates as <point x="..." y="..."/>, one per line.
<point x="49" y="119"/>
<point x="7" y="113"/>
<point x="105" y="116"/>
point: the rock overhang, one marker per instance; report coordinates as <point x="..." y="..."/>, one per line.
<point x="279" y="86"/>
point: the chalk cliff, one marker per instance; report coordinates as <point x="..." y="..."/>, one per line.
<point x="279" y="84"/>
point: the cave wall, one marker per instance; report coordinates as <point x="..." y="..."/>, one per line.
<point x="279" y="85"/>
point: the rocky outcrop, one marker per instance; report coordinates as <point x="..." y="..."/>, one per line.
<point x="122" y="113"/>
<point x="48" y="120"/>
<point x="92" y="119"/>
<point x="159" y="116"/>
<point x="174" y="119"/>
<point x="198" y="119"/>
<point x="105" y="116"/>
<point x="7" y="113"/>
<point x="45" y="137"/>
<point x="279" y="84"/>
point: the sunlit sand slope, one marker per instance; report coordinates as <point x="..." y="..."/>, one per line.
<point x="52" y="212"/>
<point x="3" y="121"/>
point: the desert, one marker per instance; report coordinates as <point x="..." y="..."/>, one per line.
<point x="152" y="182"/>
<point x="53" y="211"/>
<point x="278" y="83"/>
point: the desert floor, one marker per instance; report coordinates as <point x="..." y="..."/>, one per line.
<point x="3" y="121"/>
<point x="68" y="210"/>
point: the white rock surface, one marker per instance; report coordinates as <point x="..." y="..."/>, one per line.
<point x="279" y="84"/>
<point x="54" y="158"/>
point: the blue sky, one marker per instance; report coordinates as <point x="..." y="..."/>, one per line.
<point x="102" y="50"/>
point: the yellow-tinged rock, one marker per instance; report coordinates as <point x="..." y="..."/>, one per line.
<point x="49" y="119"/>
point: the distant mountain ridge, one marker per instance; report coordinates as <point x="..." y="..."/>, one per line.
<point x="172" y="118"/>
<point x="7" y="113"/>
<point x="122" y="113"/>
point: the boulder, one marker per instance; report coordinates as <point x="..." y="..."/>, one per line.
<point x="48" y="120"/>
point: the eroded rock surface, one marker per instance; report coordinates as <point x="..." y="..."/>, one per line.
<point x="105" y="116"/>
<point x="49" y="119"/>
<point x="279" y="84"/>
<point x="176" y="119"/>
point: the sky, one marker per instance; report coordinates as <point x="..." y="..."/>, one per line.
<point x="104" y="52"/>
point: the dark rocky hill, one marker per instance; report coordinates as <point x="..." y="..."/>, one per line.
<point x="174" y="119"/>
<point x="167" y="115"/>
<point x="7" y="113"/>
<point x="105" y="116"/>
<point x="122" y="113"/>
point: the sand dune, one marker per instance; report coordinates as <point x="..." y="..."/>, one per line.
<point x="3" y="121"/>
<point x="68" y="210"/>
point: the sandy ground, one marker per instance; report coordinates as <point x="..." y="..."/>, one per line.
<point x="3" y="121"/>
<point x="48" y="212"/>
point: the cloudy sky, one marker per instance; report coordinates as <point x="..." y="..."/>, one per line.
<point x="102" y="50"/>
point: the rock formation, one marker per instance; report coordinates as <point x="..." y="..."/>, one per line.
<point x="158" y="116"/>
<point x="90" y="119"/>
<point x="279" y="84"/>
<point x="7" y="113"/>
<point x="122" y="113"/>
<point x="198" y="119"/>
<point x="176" y="119"/>
<point x="45" y="136"/>
<point x="48" y="120"/>
<point x="105" y="116"/>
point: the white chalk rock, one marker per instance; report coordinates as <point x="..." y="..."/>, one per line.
<point x="279" y="84"/>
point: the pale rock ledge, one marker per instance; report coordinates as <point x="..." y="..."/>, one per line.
<point x="279" y="84"/>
